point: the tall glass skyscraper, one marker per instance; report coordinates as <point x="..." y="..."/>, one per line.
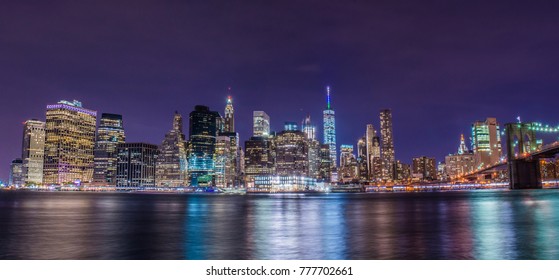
<point x="201" y="146"/>
<point x="33" y="151"/>
<point x="329" y="118"/>
<point x="69" y="143"/>
<point x="109" y="134"/>
<point x="388" y="158"/>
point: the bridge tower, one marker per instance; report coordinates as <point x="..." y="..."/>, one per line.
<point x="524" y="171"/>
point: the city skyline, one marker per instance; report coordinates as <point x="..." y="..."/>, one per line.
<point x="145" y="66"/>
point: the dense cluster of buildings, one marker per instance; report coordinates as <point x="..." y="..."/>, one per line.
<point x="68" y="148"/>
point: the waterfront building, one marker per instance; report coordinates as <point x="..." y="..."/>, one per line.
<point x="284" y="183"/>
<point x="424" y="168"/>
<point x="403" y="171"/>
<point x="325" y="166"/>
<point x="69" y="144"/>
<point x="461" y="163"/>
<point x="486" y="143"/>
<point x="172" y="163"/>
<point x="259" y="157"/>
<point x="16" y="173"/>
<point x="261" y="124"/>
<point x="227" y="164"/>
<point x="387" y="147"/>
<point x="201" y="145"/>
<point x="33" y="152"/>
<point x="549" y="170"/>
<point x="348" y="171"/>
<point x="292" y="151"/>
<point x="136" y="163"/>
<point x="110" y="133"/>
<point x="314" y="158"/>
<point x="329" y="121"/>
<point x="362" y="165"/>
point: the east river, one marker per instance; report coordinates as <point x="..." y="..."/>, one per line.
<point x="495" y="224"/>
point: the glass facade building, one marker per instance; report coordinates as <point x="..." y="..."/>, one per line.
<point x="69" y="144"/>
<point x="387" y="157"/>
<point x="110" y="133"/>
<point x="136" y="165"/>
<point x="201" y="145"/>
<point x="329" y="121"/>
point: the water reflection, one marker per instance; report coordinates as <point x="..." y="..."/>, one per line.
<point x="452" y="225"/>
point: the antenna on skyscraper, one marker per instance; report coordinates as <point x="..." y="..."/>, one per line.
<point x="328" y="97"/>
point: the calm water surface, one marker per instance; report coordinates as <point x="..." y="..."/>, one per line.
<point x="443" y="225"/>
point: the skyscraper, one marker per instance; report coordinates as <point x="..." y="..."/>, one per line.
<point x="171" y="168"/>
<point x="292" y="153"/>
<point x="424" y="168"/>
<point x="325" y="166"/>
<point x="136" y="165"/>
<point x="229" y="119"/>
<point x="16" y="173"/>
<point x="227" y="159"/>
<point x="33" y="151"/>
<point x="348" y="164"/>
<point x="261" y="123"/>
<point x="486" y="142"/>
<point x="308" y="128"/>
<point x="329" y="117"/>
<point x="109" y="134"/>
<point x="69" y="143"/>
<point x="387" y="147"/>
<point x="259" y="157"/>
<point x="362" y="162"/>
<point x="201" y="145"/>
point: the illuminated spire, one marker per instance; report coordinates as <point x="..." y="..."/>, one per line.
<point x="328" y="97"/>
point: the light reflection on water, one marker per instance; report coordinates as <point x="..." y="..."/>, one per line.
<point x="444" y="225"/>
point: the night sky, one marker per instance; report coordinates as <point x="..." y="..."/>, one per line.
<point x="439" y="65"/>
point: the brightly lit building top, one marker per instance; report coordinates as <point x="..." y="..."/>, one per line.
<point x="72" y="106"/>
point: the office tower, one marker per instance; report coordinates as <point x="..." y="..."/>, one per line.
<point x="387" y="147"/>
<point x="424" y="168"/>
<point x="325" y="167"/>
<point x="348" y="165"/>
<point x="203" y="133"/>
<point x="329" y="118"/>
<point x="229" y="119"/>
<point x="308" y="128"/>
<point x="69" y="144"/>
<point x="110" y="133"/>
<point x="486" y="142"/>
<point x="461" y="163"/>
<point x="227" y="152"/>
<point x="16" y="173"/>
<point x="291" y="149"/>
<point x="33" y="151"/>
<point x="259" y="157"/>
<point x="403" y="171"/>
<point x="290" y="126"/>
<point x="136" y="165"/>
<point x="314" y="158"/>
<point x="370" y="132"/>
<point x="362" y="156"/>
<point x="171" y="165"/>
<point x="261" y="123"/>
